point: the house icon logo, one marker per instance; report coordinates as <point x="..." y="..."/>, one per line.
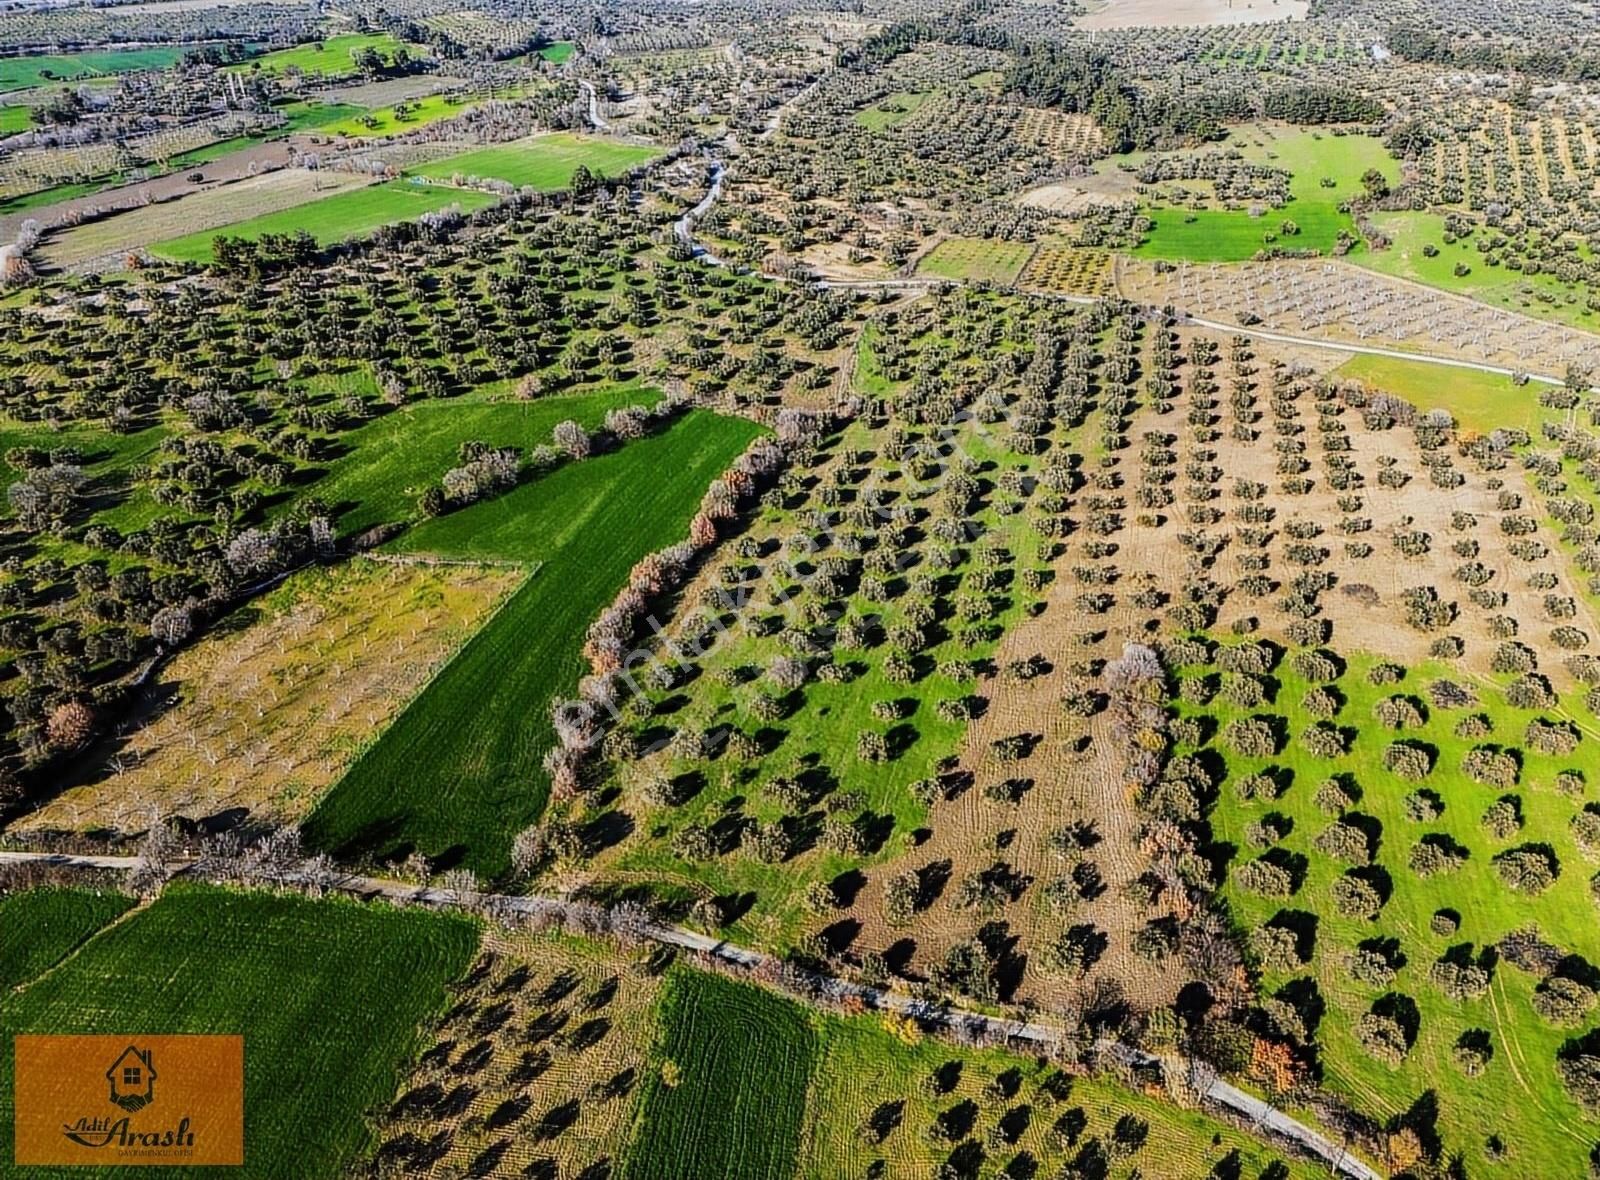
<point x="133" y="1080"/>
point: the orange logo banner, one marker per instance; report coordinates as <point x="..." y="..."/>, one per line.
<point x="129" y="1099"/>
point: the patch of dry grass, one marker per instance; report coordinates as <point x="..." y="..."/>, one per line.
<point x="268" y="711"/>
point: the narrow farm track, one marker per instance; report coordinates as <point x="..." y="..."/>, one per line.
<point x="1264" y="1120"/>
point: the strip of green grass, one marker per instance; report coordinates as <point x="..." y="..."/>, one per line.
<point x="459" y="772"/>
<point x="546" y="162"/>
<point x="310" y="116"/>
<point x="21" y="73"/>
<point x="327" y="994"/>
<point x="744" y="1058"/>
<point x="557" y="53"/>
<point x="41" y="927"/>
<point x="1480" y="401"/>
<point x="333" y="219"/>
<point x="391" y="459"/>
<point x="15" y="119"/>
<point x="408" y="116"/>
<point x="330" y="57"/>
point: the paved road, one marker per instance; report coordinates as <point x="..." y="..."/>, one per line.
<point x="1261" y="1115"/>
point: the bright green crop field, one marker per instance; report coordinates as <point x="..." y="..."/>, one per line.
<point x="545" y="162"/>
<point x="393" y="458"/>
<point x="1479" y="401"/>
<point x="327" y="994"/>
<point x="459" y="773"/>
<point x="330" y="57"/>
<point x="333" y="219"/>
<point x="21" y="73"/>
<point x="1222" y="235"/>
<point x="41" y="927"/>
<point x="743" y="1058"/>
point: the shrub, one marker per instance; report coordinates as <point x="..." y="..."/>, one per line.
<point x="1530" y="869"/>
<point x="1586" y="830"/>
<point x="1356" y="897"/>
<point x="1490" y="765"/>
<point x="1264" y="878"/>
<point x="1444" y="923"/>
<point x="1383" y="1038"/>
<point x="1344" y="842"/>
<point x="1563" y="1002"/>
<point x="1408" y="760"/>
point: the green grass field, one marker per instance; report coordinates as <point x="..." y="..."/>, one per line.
<point x="459" y="772"/>
<point x="1221" y="235"/>
<point x="41" y="927"/>
<point x="327" y="994"/>
<point x="743" y="1058"/>
<point x="892" y="110"/>
<point x="1480" y="401"/>
<point x="333" y="219"/>
<point x="976" y="260"/>
<point x="1542" y="295"/>
<point x="330" y="57"/>
<point x="22" y="73"/>
<point x="407" y="116"/>
<point x="1521" y="1074"/>
<point x="545" y="162"/>
<point x="392" y="458"/>
<point x="557" y="53"/>
<point x="862" y="1067"/>
<point x="313" y="116"/>
<point x="15" y="119"/>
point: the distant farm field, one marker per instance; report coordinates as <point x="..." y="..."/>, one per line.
<point x="206" y="213"/>
<point x="459" y="772"/>
<point x="557" y="53"/>
<point x="390" y="460"/>
<point x="327" y="994"/>
<point x="976" y="260"/>
<point x="332" y="219"/>
<point x="15" y="119"/>
<point x="406" y="116"/>
<point x="543" y="161"/>
<point x="333" y="56"/>
<point x="1325" y="172"/>
<point x="41" y="927"/>
<point x="21" y="73"/>
<point x="728" y="1096"/>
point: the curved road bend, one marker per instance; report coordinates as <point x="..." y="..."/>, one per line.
<point x="1261" y="1115"/>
